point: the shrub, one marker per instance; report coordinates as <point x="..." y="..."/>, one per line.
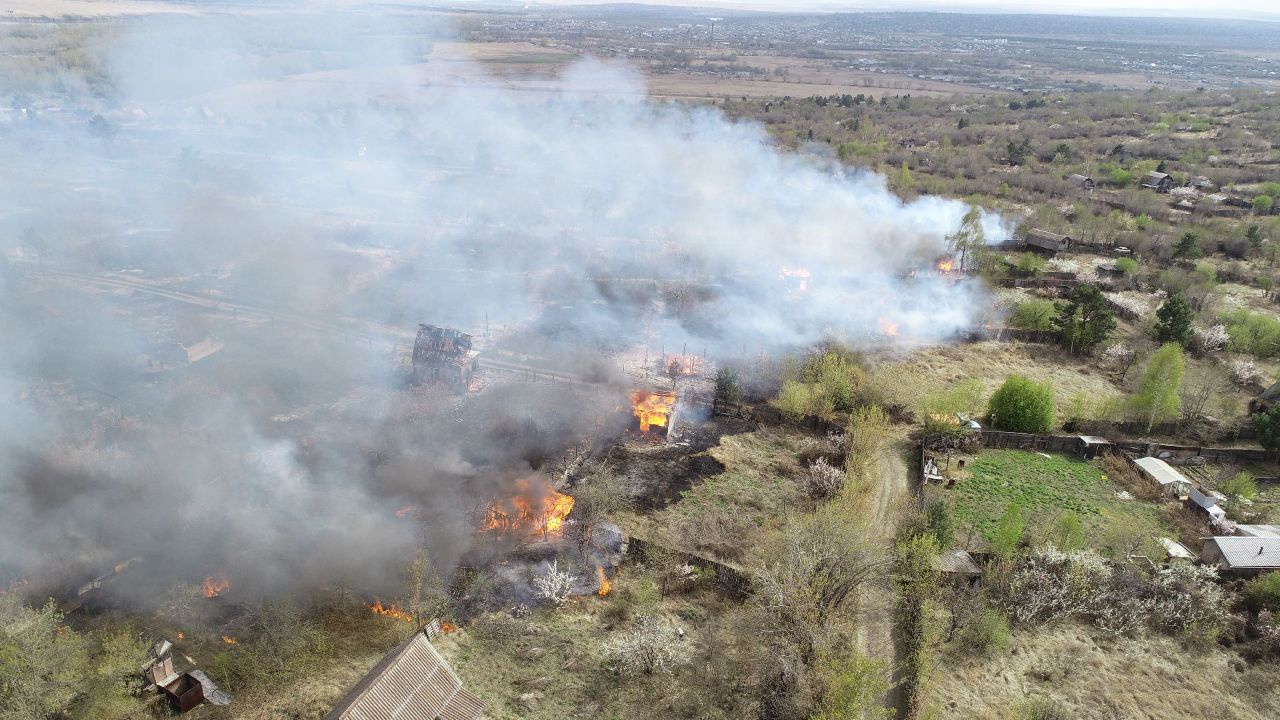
<point x="554" y="585"/>
<point x="1030" y="262"/>
<point x="1128" y="266"/>
<point x="1245" y="372"/>
<point x="1263" y="592"/>
<point x="1253" y="333"/>
<point x="1022" y="405"/>
<point x="1044" y="708"/>
<point x="1033" y="314"/>
<point x="1241" y="485"/>
<point x="653" y="645"/>
<point x="940" y="524"/>
<point x="986" y="633"/>
<point x="823" y="480"/>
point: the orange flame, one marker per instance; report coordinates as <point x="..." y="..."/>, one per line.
<point x="407" y="511"/>
<point x="213" y="587"/>
<point x="390" y="611"/>
<point x="888" y="328"/>
<point x="652" y="409"/>
<point x="945" y="265"/>
<point x="605" y="585"/>
<point x="535" y="508"/>
<point x="181" y="637"/>
<point x="228" y="640"/>
<point x="447" y="627"/>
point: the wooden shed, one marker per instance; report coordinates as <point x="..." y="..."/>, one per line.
<point x="1048" y="241"/>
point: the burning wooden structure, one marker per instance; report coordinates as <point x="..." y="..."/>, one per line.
<point x="444" y="356"/>
<point x="653" y="411"/>
<point x="413" y="682"/>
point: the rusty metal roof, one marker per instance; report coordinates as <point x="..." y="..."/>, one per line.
<point x="413" y="682"/>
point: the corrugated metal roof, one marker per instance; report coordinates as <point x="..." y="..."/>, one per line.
<point x="1177" y="549"/>
<point x="1160" y="471"/>
<point x="1259" y="530"/>
<point x="413" y="682"/>
<point x="1243" y="552"/>
<point x="1207" y="502"/>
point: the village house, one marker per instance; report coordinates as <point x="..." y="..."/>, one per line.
<point x="1048" y="241"/>
<point x="1172" y="482"/>
<point x="1270" y="531"/>
<point x="1242" y="556"/>
<point x="444" y="355"/>
<point x="1081" y="182"/>
<point x="1158" y="181"/>
<point x="413" y="682"/>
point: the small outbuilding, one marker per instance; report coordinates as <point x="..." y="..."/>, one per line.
<point x="1202" y="502"/>
<point x="959" y="567"/>
<point x="1158" y="181"/>
<point x="1089" y="447"/>
<point x="1081" y="182"/>
<point x="1172" y="482"/>
<point x="1242" y="556"/>
<point x="1049" y="241"/>
<point x="1176" y="550"/>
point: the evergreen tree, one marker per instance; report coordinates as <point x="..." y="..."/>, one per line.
<point x="1084" y="320"/>
<point x="1188" y="247"/>
<point x="1173" y="321"/>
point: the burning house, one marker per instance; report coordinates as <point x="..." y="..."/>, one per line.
<point x="653" y="411"/>
<point x="444" y="356"/>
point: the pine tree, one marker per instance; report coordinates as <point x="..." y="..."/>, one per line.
<point x="1173" y="321"/>
<point x="1188" y="247"/>
<point x="1084" y="320"/>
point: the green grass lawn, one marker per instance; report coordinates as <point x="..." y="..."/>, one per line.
<point x="1045" y="488"/>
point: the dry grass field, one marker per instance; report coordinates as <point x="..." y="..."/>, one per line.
<point x="1101" y="678"/>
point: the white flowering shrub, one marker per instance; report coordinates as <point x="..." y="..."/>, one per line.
<point x="1118" y="355"/>
<point x="1245" y="372"/>
<point x="555" y="585"/>
<point x="653" y="645"/>
<point x="1211" y="339"/>
<point x="823" y="479"/>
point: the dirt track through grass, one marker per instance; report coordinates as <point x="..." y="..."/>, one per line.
<point x="888" y="487"/>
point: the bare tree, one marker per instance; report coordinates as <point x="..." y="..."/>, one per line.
<point x="812" y="570"/>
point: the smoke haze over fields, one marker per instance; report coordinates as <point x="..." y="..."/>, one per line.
<point x="316" y="167"/>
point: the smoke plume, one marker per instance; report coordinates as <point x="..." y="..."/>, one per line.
<point x="312" y="188"/>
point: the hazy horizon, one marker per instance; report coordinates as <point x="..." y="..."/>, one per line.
<point x="1228" y="9"/>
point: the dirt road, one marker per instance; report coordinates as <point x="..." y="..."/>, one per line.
<point x="889" y="490"/>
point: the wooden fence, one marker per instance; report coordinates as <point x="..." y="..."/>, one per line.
<point x="1175" y="453"/>
<point x="731" y="580"/>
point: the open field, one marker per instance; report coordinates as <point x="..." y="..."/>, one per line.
<point x="1104" y="678"/>
<point x="1045" y="488"/>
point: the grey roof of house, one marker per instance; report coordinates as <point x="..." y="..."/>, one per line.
<point x="1176" y="549"/>
<point x="1045" y="234"/>
<point x="1259" y="530"/>
<point x="1155" y="177"/>
<point x="1243" y="552"/>
<point x="1094" y="440"/>
<point x="1161" y="471"/>
<point x="957" y="561"/>
<point x="413" y="682"/>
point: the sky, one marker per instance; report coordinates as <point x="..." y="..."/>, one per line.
<point x="1184" y="8"/>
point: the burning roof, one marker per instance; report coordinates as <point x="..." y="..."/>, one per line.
<point x="653" y="410"/>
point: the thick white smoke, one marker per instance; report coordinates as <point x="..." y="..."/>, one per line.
<point x="317" y="166"/>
